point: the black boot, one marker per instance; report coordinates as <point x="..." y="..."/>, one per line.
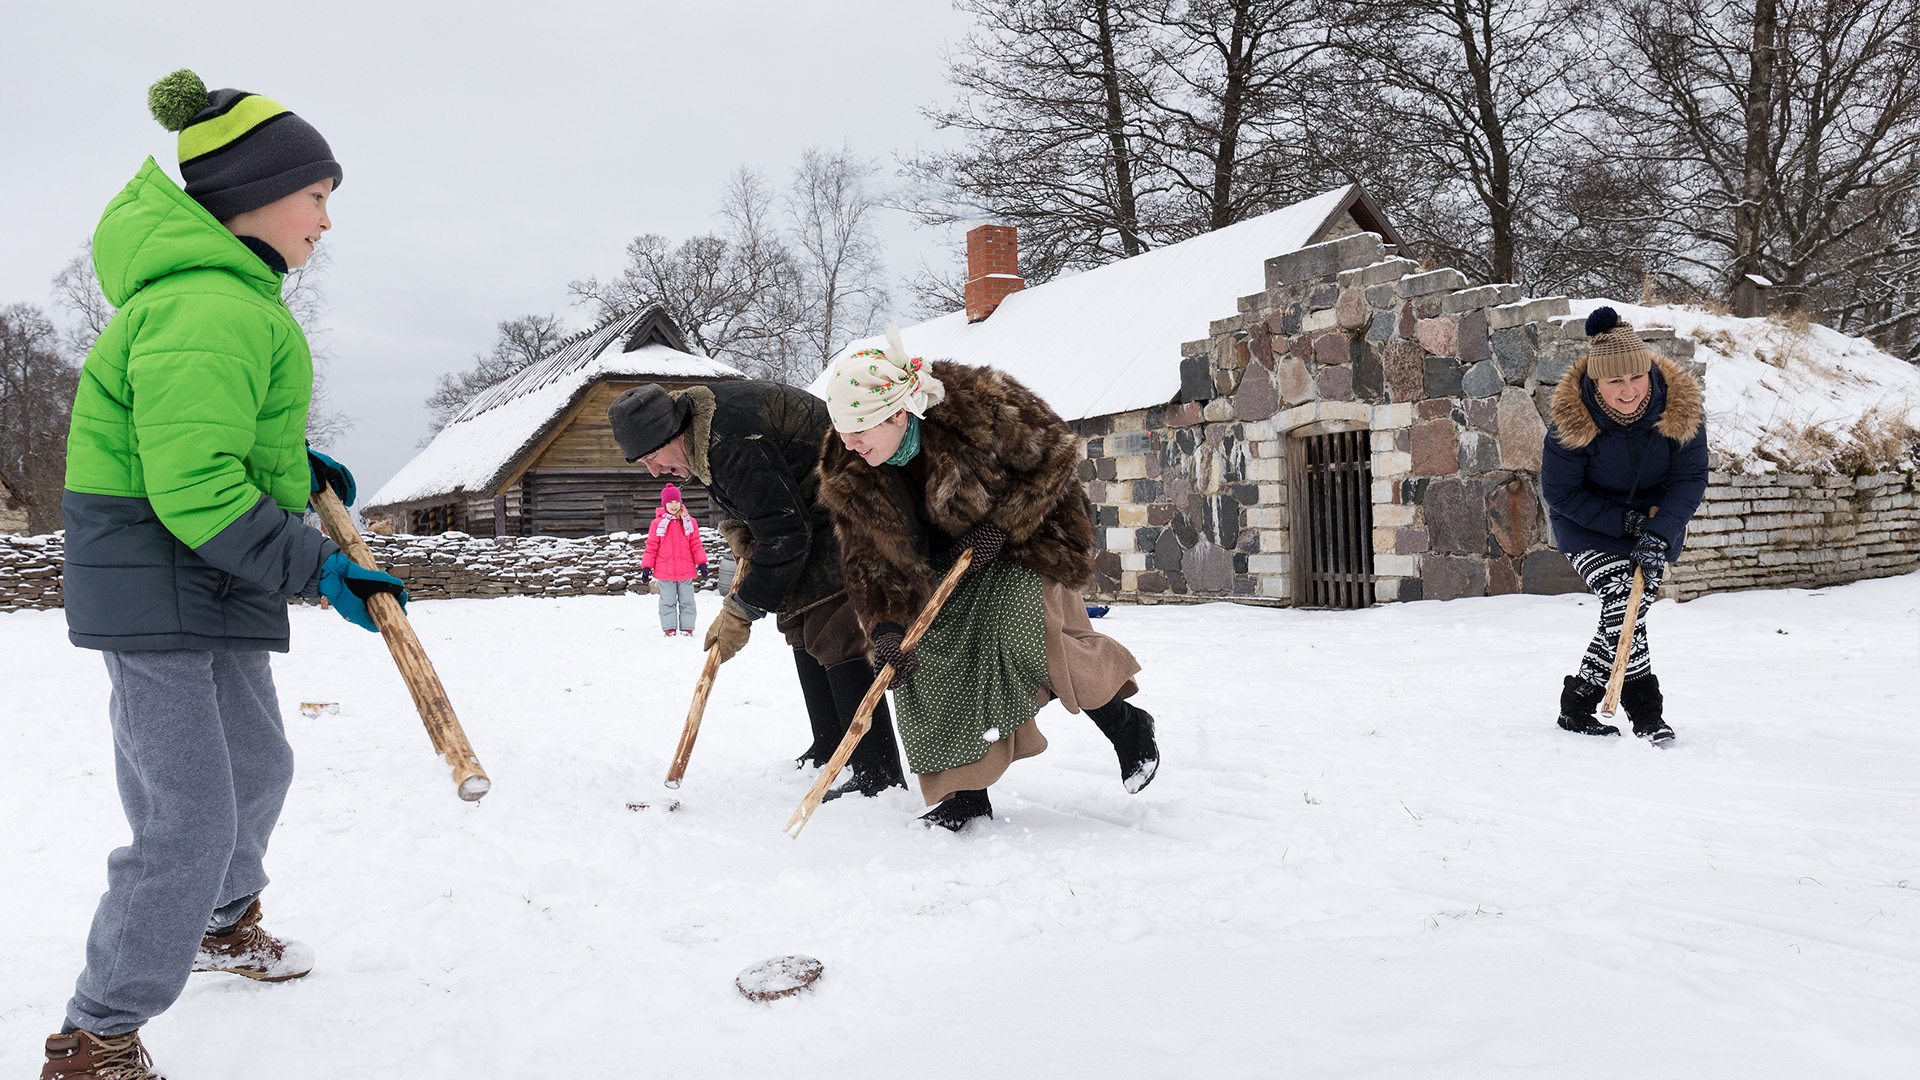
<point x="817" y="689"/>
<point x="875" y="765"/>
<point x="1646" y="708"/>
<point x="958" y="809"/>
<point x="1578" y="699"/>
<point x="1130" y="729"/>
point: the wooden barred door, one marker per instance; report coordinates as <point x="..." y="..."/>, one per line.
<point x="1332" y="496"/>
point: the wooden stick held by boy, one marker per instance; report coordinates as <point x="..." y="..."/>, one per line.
<point x="423" y="682"/>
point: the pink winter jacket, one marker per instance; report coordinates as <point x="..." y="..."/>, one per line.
<point x="673" y="546"/>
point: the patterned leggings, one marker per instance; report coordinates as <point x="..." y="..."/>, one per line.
<point x="1611" y="579"/>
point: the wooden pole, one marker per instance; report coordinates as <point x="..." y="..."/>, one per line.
<point x="699" y="706"/>
<point x="863" y="720"/>
<point x="429" y="697"/>
<point x="1611" y="703"/>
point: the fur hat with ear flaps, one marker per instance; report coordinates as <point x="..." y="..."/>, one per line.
<point x="239" y="151"/>
<point x="1615" y="350"/>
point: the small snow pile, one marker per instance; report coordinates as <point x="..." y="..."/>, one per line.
<point x="1784" y="393"/>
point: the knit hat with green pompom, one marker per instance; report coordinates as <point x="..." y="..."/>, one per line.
<point x="239" y="151"/>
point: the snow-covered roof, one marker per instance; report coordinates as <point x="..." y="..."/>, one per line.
<point x="1769" y="381"/>
<point x="491" y="436"/>
<point x="1108" y="340"/>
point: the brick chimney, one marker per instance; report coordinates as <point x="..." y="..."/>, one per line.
<point x="993" y="268"/>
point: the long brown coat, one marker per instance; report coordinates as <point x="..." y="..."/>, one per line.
<point x="992" y="451"/>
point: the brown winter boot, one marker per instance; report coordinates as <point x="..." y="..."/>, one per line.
<point x="245" y="949"/>
<point x="82" y="1055"/>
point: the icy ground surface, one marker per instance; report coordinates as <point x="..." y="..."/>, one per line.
<point x="1369" y="854"/>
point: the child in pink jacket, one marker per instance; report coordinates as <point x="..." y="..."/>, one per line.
<point x="675" y="554"/>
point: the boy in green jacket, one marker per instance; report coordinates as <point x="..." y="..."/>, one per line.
<point x="187" y="473"/>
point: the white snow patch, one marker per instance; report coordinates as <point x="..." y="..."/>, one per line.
<point x="1467" y="891"/>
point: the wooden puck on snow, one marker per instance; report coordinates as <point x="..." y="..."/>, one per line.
<point x="782" y="976"/>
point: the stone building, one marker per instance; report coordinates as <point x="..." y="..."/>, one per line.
<point x="535" y="455"/>
<point x="1359" y="430"/>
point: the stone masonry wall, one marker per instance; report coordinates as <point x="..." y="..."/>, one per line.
<point x="1454" y="383"/>
<point x="1781" y="530"/>
<point x="448" y="566"/>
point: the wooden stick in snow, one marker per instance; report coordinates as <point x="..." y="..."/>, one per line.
<point x="429" y="697"/>
<point x="863" y="720"/>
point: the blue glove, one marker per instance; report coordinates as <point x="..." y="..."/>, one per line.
<point x="1633" y="523"/>
<point x="700" y="572"/>
<point x="347" y="585"/>
<point x="646" y="575"/>
<point x="323" y="470"/>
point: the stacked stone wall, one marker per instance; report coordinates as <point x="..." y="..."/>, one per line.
<point x="448" y="566"/>
<point x="1781" y="530"/>
<point x="1453" y="382"/>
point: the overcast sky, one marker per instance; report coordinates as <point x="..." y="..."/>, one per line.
<point x="493" y="151"/>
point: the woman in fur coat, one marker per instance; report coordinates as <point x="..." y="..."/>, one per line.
<point x="927" y="461"/>
<point x="1625" y="468"/>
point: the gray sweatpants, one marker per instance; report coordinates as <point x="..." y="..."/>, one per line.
<point x="676" y="604"/>
<point x="203" y="767"/>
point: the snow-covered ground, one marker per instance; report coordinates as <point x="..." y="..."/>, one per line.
<point x="1369" y="854"/>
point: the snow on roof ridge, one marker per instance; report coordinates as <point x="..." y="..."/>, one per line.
<point x="572" y="349"/>
<point x="1108" y="339"/>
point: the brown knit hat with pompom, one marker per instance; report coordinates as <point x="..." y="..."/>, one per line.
<point x="1615" y="350"/>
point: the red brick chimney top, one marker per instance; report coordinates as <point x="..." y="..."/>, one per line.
<point x="993" y="268"/>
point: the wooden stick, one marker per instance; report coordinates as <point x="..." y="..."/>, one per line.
<point x="429" y="697"/>
<point x="1621" y="652"/>
<point x="699" y="706"/>
<point x="863" y="720"/>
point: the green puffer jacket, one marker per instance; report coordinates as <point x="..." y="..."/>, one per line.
<point x="186" y="459"/>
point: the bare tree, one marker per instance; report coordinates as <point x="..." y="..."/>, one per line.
<point x="842" y="279"/>
<point x="1050" y="101"/>
<point x="76" y="291"/>
<point x="1788" y="136"/>
<point x="1224" y="127"/>
<point x="1476" y="100"/>
<point x="520" y="343"/>
<point x="36" y="403"/>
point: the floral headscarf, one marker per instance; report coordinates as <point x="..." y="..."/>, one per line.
<point x="871" y="385"/>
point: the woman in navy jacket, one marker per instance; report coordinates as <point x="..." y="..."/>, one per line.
<point x="1624" y="471"/>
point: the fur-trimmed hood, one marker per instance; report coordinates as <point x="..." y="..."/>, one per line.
<point x="1576" y="421"/>
<point x="991" y="451"/>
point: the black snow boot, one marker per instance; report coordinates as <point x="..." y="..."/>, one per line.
<point x="1130" y="729"/>
<point x="875" y="765"/>
<point x="959" y="808"/>
<point x="1578" y="699"/>
<point x="817" y="689"/>
<point x="1646" y="708"/>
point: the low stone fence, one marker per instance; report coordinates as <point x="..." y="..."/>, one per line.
<point x="448" y="566"/>
<point x="1792" y="530"/>
<point x="30" y="571"/>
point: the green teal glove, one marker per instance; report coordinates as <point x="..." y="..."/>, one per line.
<point x="323" y="470"/>
<point x="347" y="585"/>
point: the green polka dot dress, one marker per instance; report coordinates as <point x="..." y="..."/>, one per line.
<point x="982" y="664"/>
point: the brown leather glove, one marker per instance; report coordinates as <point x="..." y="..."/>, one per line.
<point x="729" y="631"/>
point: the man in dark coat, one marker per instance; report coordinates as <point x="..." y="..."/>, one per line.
<point x="1624" y="470"/>
<point x="756" y="447"/>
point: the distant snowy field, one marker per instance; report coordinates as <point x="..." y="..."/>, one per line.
<point x="1369" y="854"/>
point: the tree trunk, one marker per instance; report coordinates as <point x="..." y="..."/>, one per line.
<point x="1129" y="219"/>
<point x="1746" y="215"/>
<point x="1232" y="109"/>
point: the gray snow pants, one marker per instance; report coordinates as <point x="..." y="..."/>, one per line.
<point x="203" y="767"/>
<point x="676" y="604"/>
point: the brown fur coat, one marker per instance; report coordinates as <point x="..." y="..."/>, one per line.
<point x="993" y="451"/>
